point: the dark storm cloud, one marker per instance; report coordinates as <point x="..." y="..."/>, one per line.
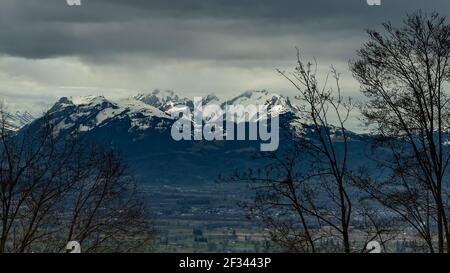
<point x="189" y="29"/>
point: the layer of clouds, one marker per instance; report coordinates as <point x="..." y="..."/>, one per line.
<point x="121" y="47"/>
<point x="182" y="29"/>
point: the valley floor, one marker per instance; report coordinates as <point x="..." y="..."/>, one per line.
<point x="208" y="219"/>
<point x="204" y="219"/>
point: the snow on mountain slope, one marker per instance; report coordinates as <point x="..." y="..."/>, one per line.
<point x="88" y="113"/>
<point x="142" y="132"/>
<point x="163" y="100"/>
<point x="84" y="114"/>
<point x="276" y="104"/>
<point x="168" y="102"/>
<point x="15" y="121"/>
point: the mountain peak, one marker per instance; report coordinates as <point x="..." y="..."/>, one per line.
<point x="90" y="112"/>
<point x="89" y="100"/>
<point x="164" y="100"/>
<point x="275" y="103"/>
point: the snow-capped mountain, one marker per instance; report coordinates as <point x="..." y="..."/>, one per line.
<point x="276" y="104"/>
<point x="140" y="127"/>
<point x="84" y="114"/>
<point x="164" y="100"/>
<point x="15" y="121"/>
<point x="168" y="102"/>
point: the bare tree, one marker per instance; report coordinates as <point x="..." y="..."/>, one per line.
<point x="279" y="201"/>
<point x="331" y="150"/>
<point x="54" y="189"/>
<point x="303" y="193"/>
<point x="403" y="73"/>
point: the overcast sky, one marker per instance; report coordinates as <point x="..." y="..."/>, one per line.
<point x="119" y="48"/>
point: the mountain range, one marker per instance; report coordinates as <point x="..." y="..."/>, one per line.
<point x="140" y="128"/>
